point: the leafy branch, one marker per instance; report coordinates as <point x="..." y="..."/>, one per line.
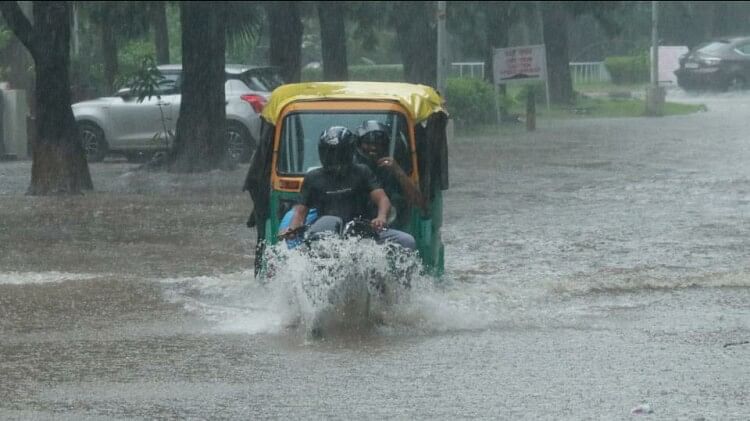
<point x="145" y="82"/>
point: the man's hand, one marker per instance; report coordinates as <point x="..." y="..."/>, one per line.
<point x="385" y="161"/>
<point x="379" y="197"/>
<point x="389" y="163"/>
<point x="378" y="224"/>
<point x="392" y="167"/>
<point x="412" y="192"/>
<point x="291" y="232"/>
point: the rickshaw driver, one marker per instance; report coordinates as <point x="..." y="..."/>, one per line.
<point x="340" y="191"/>
<point x="372" y="150"/>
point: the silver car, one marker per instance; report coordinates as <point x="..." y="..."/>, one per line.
<point x="120" y="124"/>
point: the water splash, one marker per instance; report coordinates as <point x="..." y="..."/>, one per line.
<point x="29" y="278"/>
<point x="341" y="285"/>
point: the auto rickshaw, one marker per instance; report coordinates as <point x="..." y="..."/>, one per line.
<point x="295" y="116"/>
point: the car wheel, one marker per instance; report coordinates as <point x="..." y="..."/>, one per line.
<point x="94" y="145"/>
<point x="240" y="145"/>
<point x="736" y="83"/>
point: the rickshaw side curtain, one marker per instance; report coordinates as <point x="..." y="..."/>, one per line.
<point x="432" y="145"/>
<point x="258" y="179"/>
<point x="258" y="183"/>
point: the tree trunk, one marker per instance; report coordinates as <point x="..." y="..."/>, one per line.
<point x="200" y="143"/>
<point x="333" y="40"/>
<point x="59" y="165"/>
<point x="285" y="51"/>
<point x="555" y="21"/>
<point x="416" y="35"/>
<point x="109" y="47"/>
<point x="161" y="34"/>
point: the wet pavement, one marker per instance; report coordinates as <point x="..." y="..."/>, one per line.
<point x="593" y="266"/>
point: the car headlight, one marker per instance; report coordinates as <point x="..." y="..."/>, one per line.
<point x="711" y="61"/>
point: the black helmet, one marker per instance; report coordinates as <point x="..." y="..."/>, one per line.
<point x="373" y="133"/>
<point x="335" y="148"/>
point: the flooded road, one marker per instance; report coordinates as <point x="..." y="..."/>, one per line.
<point x="594" y="267"/>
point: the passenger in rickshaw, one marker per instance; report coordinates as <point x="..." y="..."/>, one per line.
<point x="373" y="144"/>
<point x="341" y="190"/>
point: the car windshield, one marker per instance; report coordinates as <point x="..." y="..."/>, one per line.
<point x="300" y="133"/>
<point x="712" y="47"/>
<point x="264" y="80"/>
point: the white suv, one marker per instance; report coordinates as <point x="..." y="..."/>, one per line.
<point x="121" y="124"/>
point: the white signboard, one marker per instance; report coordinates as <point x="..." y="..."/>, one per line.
<point x="669" y="61"/>
<point x="519" y="64"/>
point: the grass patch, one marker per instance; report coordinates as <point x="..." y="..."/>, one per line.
<point x="600" y="99"/>
<point x="607" y="87"/>
<point x="608" y="108"/>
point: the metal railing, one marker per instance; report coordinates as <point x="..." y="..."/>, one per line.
<point x="591" y="71"/>
<point x="580" y="72"/>
<point x="468" y="69"/>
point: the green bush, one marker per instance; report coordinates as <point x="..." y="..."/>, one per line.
<point x="540" y="95"/>
<point x="374" y="73"/>
<point x="470" y="101"/>
<point x="632" y="69"/>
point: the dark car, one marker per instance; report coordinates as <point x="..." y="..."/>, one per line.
<point x="719" y="64"/>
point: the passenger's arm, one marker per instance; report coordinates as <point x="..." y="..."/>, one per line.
<point x="302" y="206"/>
<point x="298" y="218"/>
<point x="410" y="189"/>
<point x="380" y="199"/>
<point x="300" y="214"/>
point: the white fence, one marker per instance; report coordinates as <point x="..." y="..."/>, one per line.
<point x="580" y="72"/>
<point x="468" y="69"/>
<point x="592" y="71"/>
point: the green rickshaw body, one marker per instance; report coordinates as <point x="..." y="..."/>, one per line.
<point x="295" y="116"/>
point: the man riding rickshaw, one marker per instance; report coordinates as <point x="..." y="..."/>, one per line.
<point x="398" y="131"/>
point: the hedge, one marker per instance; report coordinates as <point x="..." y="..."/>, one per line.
<point x="632" y="69"/>
<point x="470" y="101"/>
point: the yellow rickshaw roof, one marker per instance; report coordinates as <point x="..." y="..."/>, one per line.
<point x="419" y="100"/>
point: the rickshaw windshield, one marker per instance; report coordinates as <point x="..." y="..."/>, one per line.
<point x="300" y="131"/>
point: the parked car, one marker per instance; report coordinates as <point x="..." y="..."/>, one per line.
<point x="719" y="64"/>
<point x="121" y="124"/>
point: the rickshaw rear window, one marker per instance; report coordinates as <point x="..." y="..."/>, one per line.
<point x="298" y="152"/>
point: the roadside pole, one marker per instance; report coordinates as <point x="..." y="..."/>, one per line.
<point x="442" y="61"/>
<point x="530" y="111"/>
<point x="441" y="56"/>
<point x="540" y="21"/>
<point x="655" y="93"/>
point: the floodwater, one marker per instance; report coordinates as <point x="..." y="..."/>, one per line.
<point x="595" y="269"/>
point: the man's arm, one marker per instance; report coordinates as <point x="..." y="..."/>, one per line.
<point x="298" y="219"/>
<point x="303" y="205"/>
<point x="411" y="191"/>
<point x="300" y="214"/>
<point x="380" y="199"/>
